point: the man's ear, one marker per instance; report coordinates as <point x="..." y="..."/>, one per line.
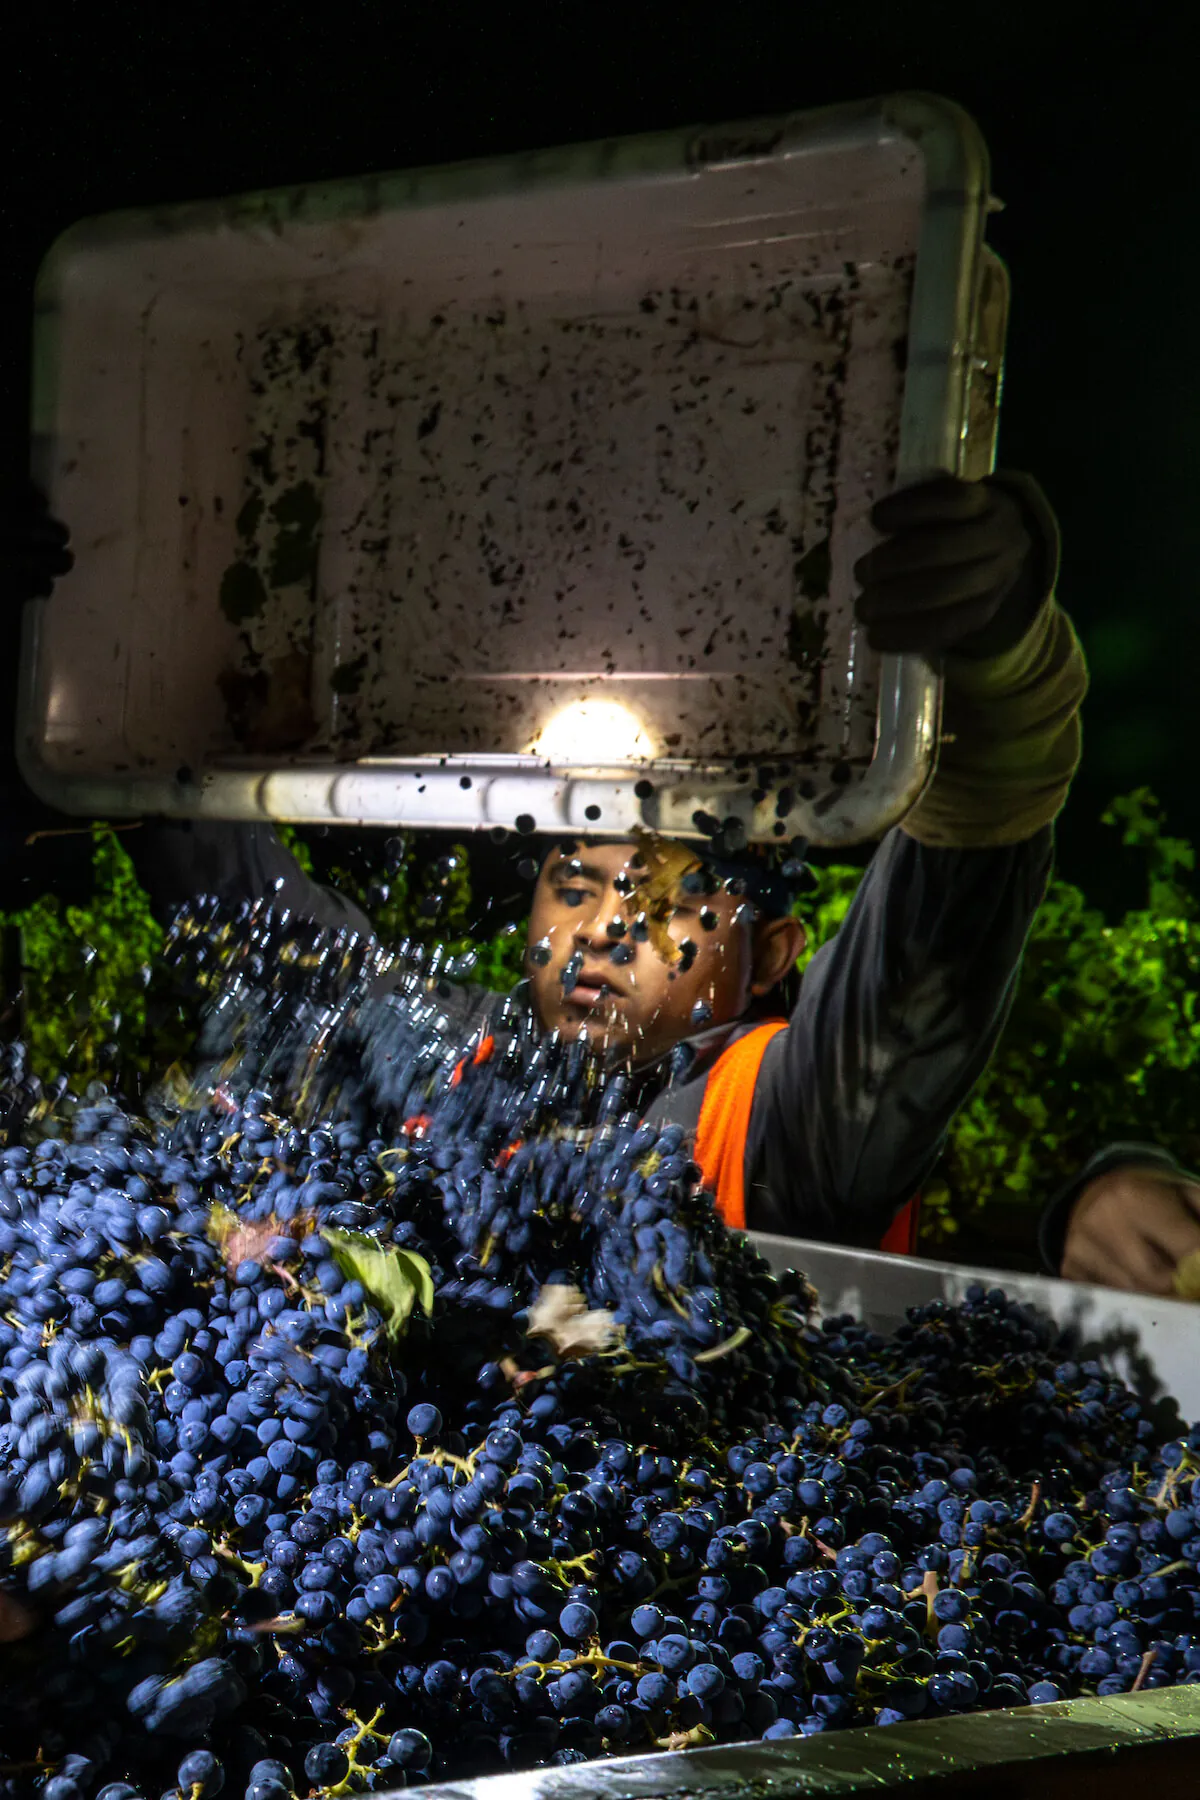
<point x="777" y="945"/>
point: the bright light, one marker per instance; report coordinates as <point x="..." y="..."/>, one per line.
<point x="595" y="732"/>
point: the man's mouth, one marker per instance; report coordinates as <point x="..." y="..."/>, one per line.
<point x="592" y="989"/>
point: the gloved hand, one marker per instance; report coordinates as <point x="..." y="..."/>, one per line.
<point x="1131" y="1227"/>
<point x="961" y="570"/>
<point x="33" y="546"/>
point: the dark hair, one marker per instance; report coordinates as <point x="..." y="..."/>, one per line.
<point x="784" y="996"/>
<point x="771" y="875"/>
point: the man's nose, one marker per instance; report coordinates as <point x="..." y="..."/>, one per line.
<point x="589" y="933"/>
<point x="591" y="930"/>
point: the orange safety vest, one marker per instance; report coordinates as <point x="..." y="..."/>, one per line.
<point x="721" y="1136"/>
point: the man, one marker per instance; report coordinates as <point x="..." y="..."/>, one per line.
<point x="823" y="1123"/>
<point x="1128" y="1220"/>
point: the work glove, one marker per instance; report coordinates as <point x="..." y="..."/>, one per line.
<point x="962" y="568"/>
<point x="33" y="546"/>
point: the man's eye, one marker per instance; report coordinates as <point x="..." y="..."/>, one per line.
<point x="572" y="896"/>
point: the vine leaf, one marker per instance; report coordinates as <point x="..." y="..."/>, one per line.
<point x="245" y="1240"/>
<point x="395" y="1279"/>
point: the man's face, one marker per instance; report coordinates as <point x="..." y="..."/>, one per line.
<point x="628" y="944"/>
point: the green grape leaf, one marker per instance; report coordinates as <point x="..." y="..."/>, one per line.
<point x="420" y="1272"/>
<point x="395" y="1279"/>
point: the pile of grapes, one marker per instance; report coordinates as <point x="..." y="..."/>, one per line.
<point x="336" y="1459"/>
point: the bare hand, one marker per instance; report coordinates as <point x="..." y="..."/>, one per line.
<point x="1131" y="1228"/>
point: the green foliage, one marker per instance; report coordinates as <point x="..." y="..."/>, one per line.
<point x="1170" y="860"/>
<point x="825" y="906"/>
<point x="500" y="960"/>
<point x="87" y="974"/>
<point x="291" y="840"/>
<point x="1103" y="1042"/>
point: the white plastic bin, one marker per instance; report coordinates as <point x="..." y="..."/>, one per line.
<point x="1152" y="1344"/>
<point x="527" y="487"/>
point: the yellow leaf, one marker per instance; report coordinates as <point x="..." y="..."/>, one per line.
<point x="1187" y="1277"/>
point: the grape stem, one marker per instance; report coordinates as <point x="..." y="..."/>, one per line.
<point x="683" y="1740"/>
<point x="928" y="1591"/>
<point x="254" y="1570"/>
<point x="741" y="1336"/>
<point x="899" y="1388"/>
<point x="1026" y="1519"/>
<point x="589" y="1659"/>
<point x="1147" y="1665"/>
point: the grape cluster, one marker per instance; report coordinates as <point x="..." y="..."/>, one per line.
<point x="337" y="1458"/>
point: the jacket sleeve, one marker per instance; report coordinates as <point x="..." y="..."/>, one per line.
<point x="1011" y="736"/>
<point x="899" y="1014"/>
<point x="1052" y="1230"/>
<point x="896" y="1020"/>
<point x="177" y="861"/>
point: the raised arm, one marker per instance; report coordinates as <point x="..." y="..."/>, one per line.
<point x="897" y="1018"/>
<point x="899" y="1014"/>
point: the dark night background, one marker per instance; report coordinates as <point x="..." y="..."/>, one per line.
<point x="1091" y="129"/>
